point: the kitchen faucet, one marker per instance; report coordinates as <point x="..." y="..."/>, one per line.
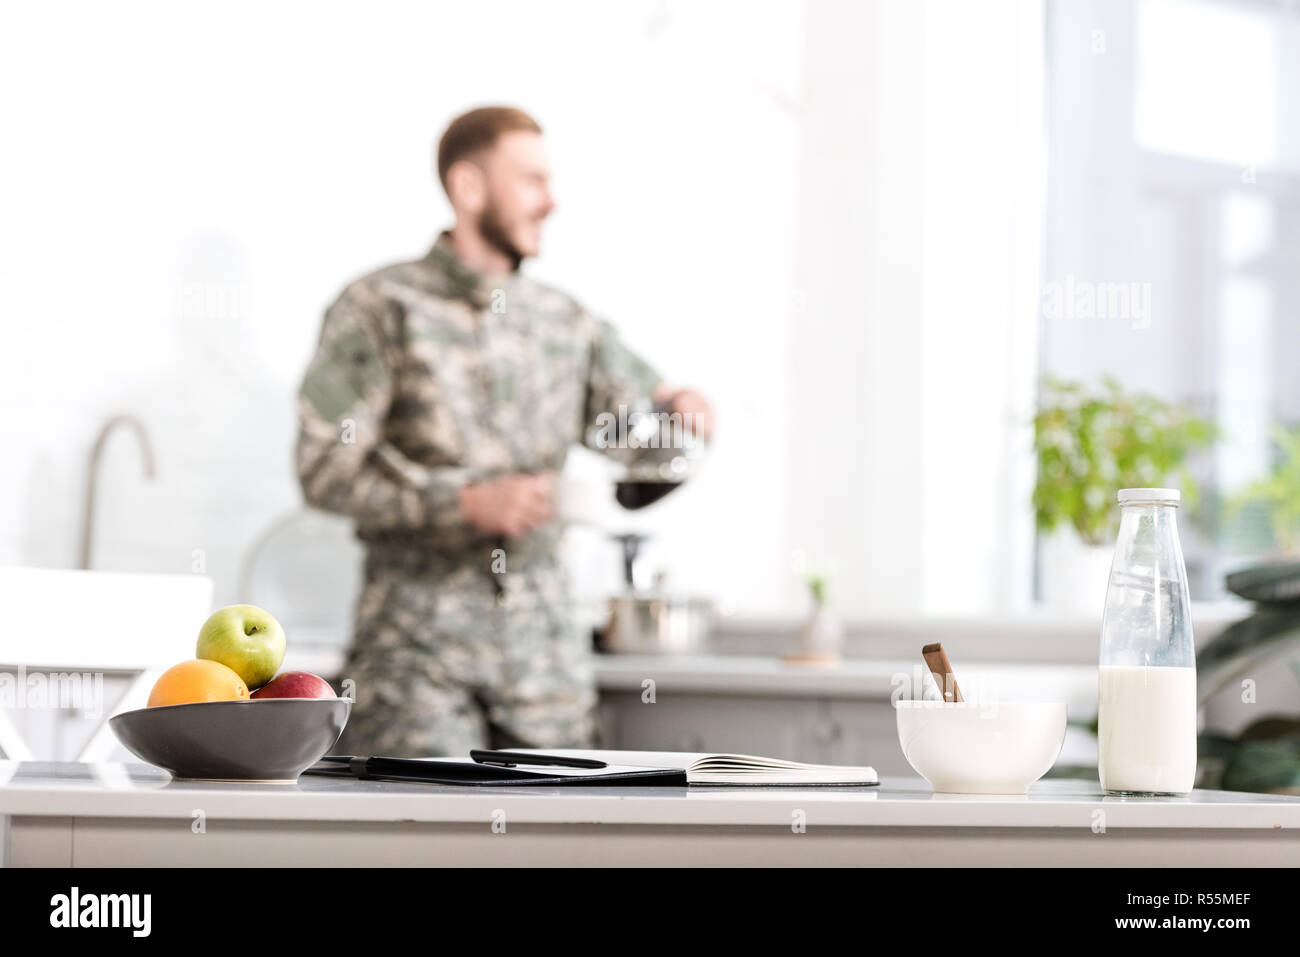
<point x="92" y="474"/>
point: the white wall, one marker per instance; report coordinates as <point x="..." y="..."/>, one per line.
<point x="770" y="199"/>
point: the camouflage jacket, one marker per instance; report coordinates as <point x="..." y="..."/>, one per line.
<point x="429" y="375"/>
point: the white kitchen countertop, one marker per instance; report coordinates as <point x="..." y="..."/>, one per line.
<point x="138" y="791"/>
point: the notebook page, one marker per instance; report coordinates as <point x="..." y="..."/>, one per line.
<point x="707" y="767"/>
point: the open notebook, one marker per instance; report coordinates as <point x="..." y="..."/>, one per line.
<point x="705" y="768"/>
<point x="639" y="768"/>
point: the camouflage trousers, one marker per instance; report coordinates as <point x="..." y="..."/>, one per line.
<point x="448" y="656"/>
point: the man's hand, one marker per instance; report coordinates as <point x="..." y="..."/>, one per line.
<point x="695" y="409"/>
<point x="513" y="505"/>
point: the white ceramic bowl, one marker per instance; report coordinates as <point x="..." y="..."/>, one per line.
<point x="981" y="747"/>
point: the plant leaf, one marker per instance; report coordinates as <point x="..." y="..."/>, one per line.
<point x="1263" y="766"/>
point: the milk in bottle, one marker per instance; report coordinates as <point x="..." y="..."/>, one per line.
<point x="1146" y="708"/>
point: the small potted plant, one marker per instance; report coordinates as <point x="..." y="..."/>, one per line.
<point x="820" y="638"/>
<point x="1089" y="444"/>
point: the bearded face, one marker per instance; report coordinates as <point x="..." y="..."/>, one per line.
<point x="497" y="233"/>
<point x="517" y="196"/>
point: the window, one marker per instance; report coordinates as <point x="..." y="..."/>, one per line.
<point x="1174" y="131"/>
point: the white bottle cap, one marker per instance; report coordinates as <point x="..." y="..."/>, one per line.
<point x="1155" y="496"/>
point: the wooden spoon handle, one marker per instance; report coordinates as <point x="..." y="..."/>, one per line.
<point x="941" y="668"/>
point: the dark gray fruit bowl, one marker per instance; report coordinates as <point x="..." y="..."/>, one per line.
<point x="261" y="739"/>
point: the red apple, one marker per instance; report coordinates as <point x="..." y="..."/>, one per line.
<point x="295" y="684"/>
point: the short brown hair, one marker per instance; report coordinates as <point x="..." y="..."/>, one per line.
<point x="478" y="130"/>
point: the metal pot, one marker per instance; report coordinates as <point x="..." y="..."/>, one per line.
<point x="652" y="621"/>
<point x="656" y="625"/>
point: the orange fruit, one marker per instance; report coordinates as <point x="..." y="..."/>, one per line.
<point x="197" y="680"/>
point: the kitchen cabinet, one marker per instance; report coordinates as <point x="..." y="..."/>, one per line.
<point x="862" y="732"/>
<point x="772" y="726"/>
<point x="822" y="731"/>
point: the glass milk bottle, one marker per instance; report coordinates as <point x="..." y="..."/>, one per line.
<point x="1146" y="709"/>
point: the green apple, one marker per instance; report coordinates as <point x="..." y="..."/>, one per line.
<point x="245" y="639"/>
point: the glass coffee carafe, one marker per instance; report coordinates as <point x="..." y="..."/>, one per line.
<point x="660" y="451"/>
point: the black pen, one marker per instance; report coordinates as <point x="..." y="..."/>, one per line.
<point x="510" y="758"/>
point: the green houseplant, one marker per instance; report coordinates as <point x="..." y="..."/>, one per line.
<point x="1278" y="495"/>
<point x="1090" y="443"/>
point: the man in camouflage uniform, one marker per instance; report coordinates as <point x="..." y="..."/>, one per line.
<point x="441" y="402"/>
